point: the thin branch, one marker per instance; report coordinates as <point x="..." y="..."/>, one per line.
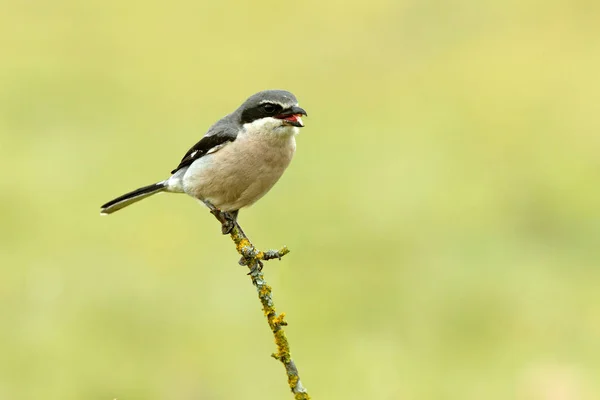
<point x="253" y="259"/>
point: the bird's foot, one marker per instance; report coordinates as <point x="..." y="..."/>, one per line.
<point x="226" y="219"/>
<point x="228" y="223"/>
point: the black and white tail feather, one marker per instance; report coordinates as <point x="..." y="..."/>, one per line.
<point x="217" y="136"/>
<point x="132" y="197"/>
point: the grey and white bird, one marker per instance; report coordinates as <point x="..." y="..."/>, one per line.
<point x="237" y="161"/>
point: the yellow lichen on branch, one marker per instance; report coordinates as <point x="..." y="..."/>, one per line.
<point x="253" y="259"/>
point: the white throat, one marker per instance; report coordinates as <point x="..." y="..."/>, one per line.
<point x="270" y="126"/>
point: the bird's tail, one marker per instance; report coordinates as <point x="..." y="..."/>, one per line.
<point x="132" y="197"/>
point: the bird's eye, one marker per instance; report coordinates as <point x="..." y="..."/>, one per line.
<point x="269" y="108"/>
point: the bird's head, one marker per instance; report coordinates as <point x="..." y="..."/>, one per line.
<point x="272" y="111"/>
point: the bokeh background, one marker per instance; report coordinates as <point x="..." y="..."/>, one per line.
<point x="443" y="209"/>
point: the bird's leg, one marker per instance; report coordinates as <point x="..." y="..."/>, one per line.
<point x="226" y="225"/>
<point x="227" y="219"/>
<point x="228" y="222"/>
<point x="234" y="215"/>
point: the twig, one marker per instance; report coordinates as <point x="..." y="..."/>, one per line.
<point x="253" y="259"/>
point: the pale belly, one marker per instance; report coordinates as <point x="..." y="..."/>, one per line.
<point x="241" y="172"/>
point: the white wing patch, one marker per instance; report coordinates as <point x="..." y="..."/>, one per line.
<point x="216" y="148"/>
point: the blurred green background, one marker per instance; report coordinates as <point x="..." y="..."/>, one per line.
<point x="443" y="208"/>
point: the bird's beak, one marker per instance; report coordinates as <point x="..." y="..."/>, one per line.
<point x="292" y="116"/>
<point x="298" y="110"/>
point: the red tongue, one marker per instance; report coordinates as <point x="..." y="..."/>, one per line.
<point x="292" y="118"/>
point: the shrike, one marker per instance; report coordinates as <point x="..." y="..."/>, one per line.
<point x="237" y="161"/>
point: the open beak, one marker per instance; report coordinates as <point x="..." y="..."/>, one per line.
<point x="293" y="116"/>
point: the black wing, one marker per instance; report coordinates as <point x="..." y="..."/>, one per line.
<point x="217" y="136"/>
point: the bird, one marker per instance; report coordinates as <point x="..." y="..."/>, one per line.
<point x="237" y="161"/>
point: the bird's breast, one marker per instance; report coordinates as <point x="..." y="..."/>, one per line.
<point x="241" y="172"/>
